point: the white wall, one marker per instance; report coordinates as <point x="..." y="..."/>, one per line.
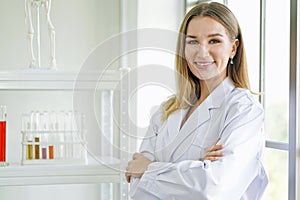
<point x="165" y="14"/>
<point x="159" y="15"/>
<point x="80" y="25"/>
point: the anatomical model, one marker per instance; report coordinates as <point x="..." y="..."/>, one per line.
<point x="29" y="6"/>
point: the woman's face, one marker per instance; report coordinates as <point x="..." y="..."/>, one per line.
<point x="208" y="48"/>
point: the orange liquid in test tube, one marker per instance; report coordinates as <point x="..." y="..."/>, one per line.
<point x="51" y="152"/>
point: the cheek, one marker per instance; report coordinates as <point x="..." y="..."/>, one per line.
<point x="189" y="52"/>
<point x="221" y="54"/>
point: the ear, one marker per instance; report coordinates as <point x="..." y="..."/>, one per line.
<point x="235" y="45"/>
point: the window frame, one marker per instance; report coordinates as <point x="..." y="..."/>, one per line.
<point x="293" y="101"/>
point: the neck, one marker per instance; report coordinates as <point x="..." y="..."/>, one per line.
<point x="207" y="86"/>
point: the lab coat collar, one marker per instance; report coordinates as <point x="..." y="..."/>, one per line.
<point x="185" y="136"/>
<point x="219" y="94"/>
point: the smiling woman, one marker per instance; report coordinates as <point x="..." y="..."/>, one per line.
<point x="212" y="128"/>
<point x="234" y="61"/>
<point x="208" y="49"/>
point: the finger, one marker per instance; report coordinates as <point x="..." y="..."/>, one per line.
<point x="215" y="154"/>
<point x="217" y="147"/>
<point x="127" y="175"/>
<point x="135" y="156"/>
<point x="211" y="158"/>
<point x="128" y="178"/>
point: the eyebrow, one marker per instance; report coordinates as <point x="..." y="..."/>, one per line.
<point x="210" y="35"/>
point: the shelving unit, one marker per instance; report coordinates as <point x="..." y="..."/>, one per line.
<point x="98" y="169"/>
<point x="94" y="172"/>
<point x="56" y="80"/>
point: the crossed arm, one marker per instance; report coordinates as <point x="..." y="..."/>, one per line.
<point x="139" y="163"/>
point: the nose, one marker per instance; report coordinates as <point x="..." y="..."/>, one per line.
<point x="202" y="51"/>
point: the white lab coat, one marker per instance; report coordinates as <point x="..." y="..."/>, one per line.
<point x="177" y="173"/>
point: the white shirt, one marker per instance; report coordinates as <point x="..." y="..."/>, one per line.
<point x="177" y="173"/>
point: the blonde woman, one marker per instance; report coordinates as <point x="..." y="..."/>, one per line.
<point x="207" y="141"/>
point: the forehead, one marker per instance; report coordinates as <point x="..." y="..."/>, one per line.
<point x="204" y="26"/>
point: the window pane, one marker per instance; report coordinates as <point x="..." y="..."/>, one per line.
<point x="277" y="69"/>
<point x="250" y="31"/>
<point x="277" y="166"/>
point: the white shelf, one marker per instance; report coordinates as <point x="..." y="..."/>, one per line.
<point x="94" y="172"/>
<point x="58" y="80"/>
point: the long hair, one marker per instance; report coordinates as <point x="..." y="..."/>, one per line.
<point x="188" y="85"/>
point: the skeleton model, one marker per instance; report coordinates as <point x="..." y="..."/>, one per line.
<point x="37" y="4"/>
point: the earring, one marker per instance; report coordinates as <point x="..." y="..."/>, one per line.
<point x="231" y="61"/>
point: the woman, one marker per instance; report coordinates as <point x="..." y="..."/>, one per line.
<point x="207" y="141"/>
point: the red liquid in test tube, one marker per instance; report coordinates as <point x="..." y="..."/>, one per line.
<point x="2" y="133"/>
<point x="2" y="141"/>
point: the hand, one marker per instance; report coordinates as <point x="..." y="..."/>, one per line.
<point x="213" y="153"/>
<point x="137" y="166"/>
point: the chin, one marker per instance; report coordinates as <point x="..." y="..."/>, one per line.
<point x="211" y="77"/>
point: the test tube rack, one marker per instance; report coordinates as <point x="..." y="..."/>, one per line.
<point x="54" y="138"/>
<point x="54" y="147"/>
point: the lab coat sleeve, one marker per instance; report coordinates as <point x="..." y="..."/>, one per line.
<point x="149" y="141"/>
<point x="227" y="178"/>
<point x="147" y="146"/>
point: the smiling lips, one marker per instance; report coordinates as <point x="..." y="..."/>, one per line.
<point x="203" y="64"/>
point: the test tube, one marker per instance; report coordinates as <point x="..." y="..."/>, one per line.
<point x="37" y="148"/>
<point x="81" y="121"/>
<point x="44" y="128"/>
<point x="83" y="135"/>
<point x="51" y="151"/>
<point x="55" y="134"/>
<point x="76" y="134"/>
<point x="3" y="135"/>
<point x="61" y="131"/>
<point x="68" y="134"/>
<point x="50" y="129"/>
<point x="44" y="152"/>
<point x="34" y="120"/>
<point x="37" y="135"/>
<point x="29" y="148"/>
<point x="25" y="132"/>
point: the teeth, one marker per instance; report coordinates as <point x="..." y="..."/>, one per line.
<point x="203" y="63"/>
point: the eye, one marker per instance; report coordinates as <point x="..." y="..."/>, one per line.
<point x="214" y="41"/>
<point x="192" y="42"/>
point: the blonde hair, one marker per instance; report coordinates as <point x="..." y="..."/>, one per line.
<point x="188" y="85"/>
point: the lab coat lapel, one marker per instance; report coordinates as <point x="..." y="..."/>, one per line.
<point x="174" y="121"/>
<point x="187" y="133"/>
<point x="172" y="129"/>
